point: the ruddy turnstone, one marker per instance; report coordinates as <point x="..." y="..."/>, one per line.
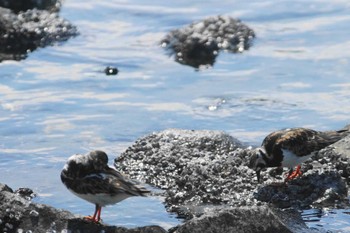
<point x="90" y="178"/>
<point x="291" y="147"/>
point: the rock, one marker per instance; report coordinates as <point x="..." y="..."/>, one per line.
<point x="26" y="193"/>
<point x="337" y="156"/>
<point x="199" y="43"/>
<point x="318" y="189"/>
<point x="248" y="220"/>
<point x="18" y="214"/>
<point x="323" y="184"/>
<point x="202" y="169"/>
<point x="23" y="5"/>
<point x="195" y="167"/>
<point x="25" y="31"/>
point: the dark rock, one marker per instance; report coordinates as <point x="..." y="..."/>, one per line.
<point x="28" y="30"/>
<point x="26" y="193"/>
<point x="23" y="5"/>
<point x="248" y="220"/>
<point x="318" y="189"/>
<point x="111" y="70"/>
<point x="199" y="43"/>
<point x="324" y="182"/>
<point x="202" y="169"/>
<point x="18" y="214"/>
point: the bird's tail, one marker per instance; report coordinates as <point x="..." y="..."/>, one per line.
<point x="345" y="129"/>
<point x="142" y="190"/>
<point x="336" y="135"/>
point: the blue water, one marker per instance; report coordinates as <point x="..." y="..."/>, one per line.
<point x="58" y="101"/>
<point x="327" y="220"/>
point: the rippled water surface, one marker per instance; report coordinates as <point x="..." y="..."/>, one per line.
<point x="59" y="102"/>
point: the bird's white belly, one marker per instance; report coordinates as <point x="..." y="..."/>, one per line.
<point x="291" y="160"/>
<point x="102" y="199"/>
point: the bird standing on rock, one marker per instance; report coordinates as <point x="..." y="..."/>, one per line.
<point x="90" y="178"/>
<point x="291" y="147"/>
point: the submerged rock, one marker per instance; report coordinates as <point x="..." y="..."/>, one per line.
<point x="18" y="214"/>
<point x="199" y="43"/>
<point x="25" y="31"/>
<point x="202" y="169"/>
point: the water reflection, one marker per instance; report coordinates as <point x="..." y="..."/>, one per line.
<point x="334" y="220"/>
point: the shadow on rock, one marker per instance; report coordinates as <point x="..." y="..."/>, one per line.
<point x="80" y="225"/>
<point x="198" y="44"/>
<point x="248" y="220"/>
<point x="311" y="190"/>
<point x="23" y="30"/>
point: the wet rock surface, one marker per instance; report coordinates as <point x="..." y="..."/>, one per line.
<point x="20" y="214"/>
<point x="199" y="43"/>
<point x="194" y="167"/>
<point x="206" y="179"/>
<point x="23" y="5"/>
<point x="24" y="31"/>
<point x="248" y="220"/>
<point x="202" y="169"/>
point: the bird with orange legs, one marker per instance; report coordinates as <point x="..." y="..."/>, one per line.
<point x="90" y="178"/>
<point x="291" y="147"/>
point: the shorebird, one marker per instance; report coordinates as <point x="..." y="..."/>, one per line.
<point x="291" y="147"/>
<point x="90" y="178"/>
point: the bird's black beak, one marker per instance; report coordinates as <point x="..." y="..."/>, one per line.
<point x="258" y="174"/>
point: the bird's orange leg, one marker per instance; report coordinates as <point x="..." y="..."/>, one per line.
<point x="96" y="214"/>
<point x="99" y="214"/>
<point x="294" y="174"/>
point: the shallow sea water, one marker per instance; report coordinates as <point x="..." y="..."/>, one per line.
<point x="58" y="101"/>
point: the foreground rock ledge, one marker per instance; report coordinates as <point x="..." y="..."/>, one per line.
<point x="19" y="214"/>
<point x="248" y="220"/>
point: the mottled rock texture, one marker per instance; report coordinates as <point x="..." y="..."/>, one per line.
<point x="24" y="30"/>
<point x="19" y="214"/>
<point x="199" y="43"/>
<point x="248" y="220"/>
<point x="199" y="169"/>
<point x="23" y="5"/>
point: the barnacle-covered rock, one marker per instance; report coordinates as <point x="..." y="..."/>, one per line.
<point x="24" y="31"/>
<point x="18" y="214"/>
<point x="24" y="5"/>
<point x="201" y="169"/>
<point x="199" y="43"/>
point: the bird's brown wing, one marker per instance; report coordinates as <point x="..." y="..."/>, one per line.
<point x="118" y="181"/>
<point x="303" y="141"/>
<point x="107" y="181"/>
